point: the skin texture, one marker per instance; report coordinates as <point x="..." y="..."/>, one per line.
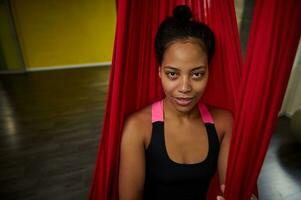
<point x="184" y="74"/>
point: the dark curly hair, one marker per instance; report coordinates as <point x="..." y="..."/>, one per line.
<point x="180" y="26"/>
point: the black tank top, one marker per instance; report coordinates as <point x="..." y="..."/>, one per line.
<point x="166" y="179"/>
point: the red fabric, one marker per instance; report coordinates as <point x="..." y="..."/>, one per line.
<point x="134" y="83"/>
<point x="274" y="37"/>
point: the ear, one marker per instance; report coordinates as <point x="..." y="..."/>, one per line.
<point x="159" y="71"/>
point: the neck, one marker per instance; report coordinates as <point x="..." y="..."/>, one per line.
<point x="170" y="112"/>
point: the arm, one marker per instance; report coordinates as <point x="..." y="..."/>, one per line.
<point x="227" y="122"/>
<point x="132" y="162"/>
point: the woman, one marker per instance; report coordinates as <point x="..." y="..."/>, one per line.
<point x="172" y="148"/>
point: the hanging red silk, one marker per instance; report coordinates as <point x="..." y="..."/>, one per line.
<point x="258" y="85"/>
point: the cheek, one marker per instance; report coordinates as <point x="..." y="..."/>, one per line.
<point x="199" y="87"/>
<point x="168" y="85"/>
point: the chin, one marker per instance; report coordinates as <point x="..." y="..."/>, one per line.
<point x="184" y="110"/>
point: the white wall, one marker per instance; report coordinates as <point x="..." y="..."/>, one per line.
<point x="292" y="99"/>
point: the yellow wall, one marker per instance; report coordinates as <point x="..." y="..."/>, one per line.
<point x="65" y="32"/>
<point x="9" y="53"/>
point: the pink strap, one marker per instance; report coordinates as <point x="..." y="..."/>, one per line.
<point x="206" y="116"/>
<point x="157" y="111"/>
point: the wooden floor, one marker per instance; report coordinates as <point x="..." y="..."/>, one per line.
<point x="50" y="125"/>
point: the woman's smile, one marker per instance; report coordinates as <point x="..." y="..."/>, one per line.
<point x="183" y="101"/>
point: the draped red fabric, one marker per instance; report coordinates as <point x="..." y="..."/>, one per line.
<point x="134" y="83"/>
<point x="274" y="37"/>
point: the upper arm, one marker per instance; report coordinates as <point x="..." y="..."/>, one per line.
<point x="132" y="161"/>
<point x="226" y="121"/>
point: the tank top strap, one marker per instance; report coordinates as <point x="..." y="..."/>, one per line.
<point x="157" y="111"/>
<point x="205" y="114"/>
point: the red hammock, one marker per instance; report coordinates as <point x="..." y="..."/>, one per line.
<point x="253" y="92"/>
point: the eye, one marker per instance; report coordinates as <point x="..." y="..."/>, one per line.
<point x="197" y="75"/>
<point x="172" y="75"/>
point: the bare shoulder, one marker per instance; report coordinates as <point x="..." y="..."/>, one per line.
<point x="139" y="119"/>
<point x="219" y="113"/>
<point x="223" y="119"/>
<point x="137" y="125"/>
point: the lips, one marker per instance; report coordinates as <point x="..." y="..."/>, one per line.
<point x="183" y="101"/>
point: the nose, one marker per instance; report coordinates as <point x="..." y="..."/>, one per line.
<point x="185" y="85"/>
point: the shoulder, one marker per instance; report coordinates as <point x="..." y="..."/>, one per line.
<point x="223" y="119"/>
<point x="139" y="119"/>
<point x="219" y="113"/>
<point x="137" y="125"/>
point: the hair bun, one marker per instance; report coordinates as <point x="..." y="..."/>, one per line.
<point x="182" y="13"/>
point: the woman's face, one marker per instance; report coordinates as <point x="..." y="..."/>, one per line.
<point x="184" y="74"/>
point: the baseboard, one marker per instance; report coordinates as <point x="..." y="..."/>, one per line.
<point x="68" y="66"/>
<point x="48" y="68"/>
<point x="13" y="72"/>
<point x="285" y="114"/>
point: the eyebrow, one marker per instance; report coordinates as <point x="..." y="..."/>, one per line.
<point x="174" y="68"/>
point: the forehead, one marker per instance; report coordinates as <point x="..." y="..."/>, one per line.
<point x="185" y="54"/>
